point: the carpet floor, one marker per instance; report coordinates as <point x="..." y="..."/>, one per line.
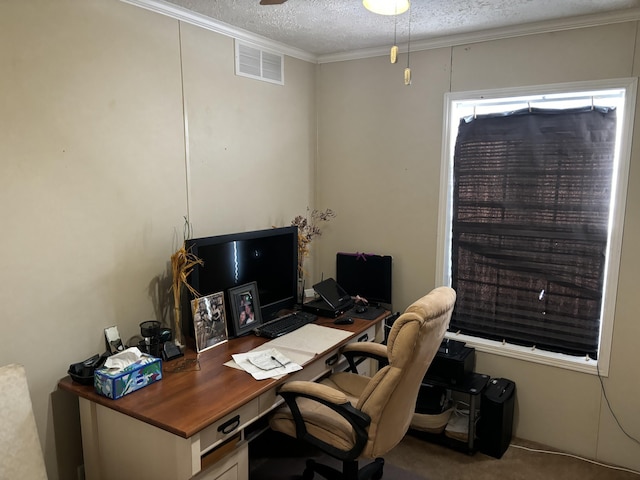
<point x="277" y="457"/>
<point x="274" y="456"/>
<point x="523" y="460"/>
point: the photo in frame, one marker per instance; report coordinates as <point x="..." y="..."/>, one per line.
<point x="245" y="308"/>
<point x="209" y="323"/>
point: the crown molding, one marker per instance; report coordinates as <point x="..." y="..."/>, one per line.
<point x="572" y="23"/>
<point x="583" y="21"/>
<point x="222" y="28"/>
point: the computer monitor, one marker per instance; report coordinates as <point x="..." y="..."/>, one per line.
<point x="366" y="275"/>
<point x="267" y="257"/>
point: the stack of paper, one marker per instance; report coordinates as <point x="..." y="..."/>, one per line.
<point x="287" y="353"/>
<point x="263" y="364"/>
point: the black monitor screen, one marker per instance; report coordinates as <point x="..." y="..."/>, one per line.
<point x="367" y="275"/>
<point x="267" y="257"/>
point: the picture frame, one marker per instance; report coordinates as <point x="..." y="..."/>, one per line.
<point x="245" y="308"/>
<point x="209" y="321"/>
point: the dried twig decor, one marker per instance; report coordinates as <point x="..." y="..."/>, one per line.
<point x="308" y="229"/>
<point x="182" y="264"/>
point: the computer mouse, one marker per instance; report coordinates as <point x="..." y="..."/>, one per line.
<point x="361" y="308"/>
<point x="343" y="321"/>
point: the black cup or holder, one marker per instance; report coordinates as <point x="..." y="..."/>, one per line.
<point x="150" y="328"/>
<point x="151" y="343"/>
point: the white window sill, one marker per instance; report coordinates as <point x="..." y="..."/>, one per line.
<point x="529" y="354"/>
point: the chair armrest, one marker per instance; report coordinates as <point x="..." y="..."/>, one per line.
<point x="314" y="390"/>
<point x="355" y="350"/>
<point x="336" y="401"/>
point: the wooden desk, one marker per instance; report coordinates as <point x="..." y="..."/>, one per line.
<point x="179" y="427"/>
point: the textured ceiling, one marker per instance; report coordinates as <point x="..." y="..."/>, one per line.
<point x="323" y="27"/>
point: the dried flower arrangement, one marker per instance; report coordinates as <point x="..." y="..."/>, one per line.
<point x="308" y="229"/>
<point x="182" y="264"/>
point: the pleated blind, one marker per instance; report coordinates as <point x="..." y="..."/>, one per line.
<point x="530" y="217"/>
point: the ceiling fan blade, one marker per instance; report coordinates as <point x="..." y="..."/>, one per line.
<point x="271" y="2"/>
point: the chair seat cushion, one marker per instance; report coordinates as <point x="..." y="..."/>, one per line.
<point x="320" y="420"/>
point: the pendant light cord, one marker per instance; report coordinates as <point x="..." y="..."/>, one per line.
<point x="393" y="55"/>
<point x="409" y="40"/>
<point x="395" y="27"/>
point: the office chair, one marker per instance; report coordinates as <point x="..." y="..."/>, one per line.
<point x="351" y="417"/>
<point x="20" y="450"/>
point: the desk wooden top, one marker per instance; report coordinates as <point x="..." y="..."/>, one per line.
<point x="186" y="402"/>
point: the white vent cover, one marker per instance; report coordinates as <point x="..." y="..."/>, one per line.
<point x="255" y="63"/>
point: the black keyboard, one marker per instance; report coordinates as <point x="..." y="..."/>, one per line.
<point x="285" y="324"/>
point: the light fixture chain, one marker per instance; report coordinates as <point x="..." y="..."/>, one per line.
<point x="409" y="39"/>
<point x="407" y="71"/>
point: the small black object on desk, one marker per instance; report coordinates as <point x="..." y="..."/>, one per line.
<point x="170" y="351"/>
<point x="343" y="321"/>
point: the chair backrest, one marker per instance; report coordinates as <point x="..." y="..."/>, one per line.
<point x="20" y="450"/>
<point x="390" y="397"/>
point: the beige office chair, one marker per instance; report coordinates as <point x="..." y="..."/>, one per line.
<point x="20" y="451"/>
<point x="353" y="417"/>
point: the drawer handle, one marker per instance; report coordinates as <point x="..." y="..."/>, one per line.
<point x="331" y="360"/>
<point x="364" y="338"/>
<point x="230" y="425"/>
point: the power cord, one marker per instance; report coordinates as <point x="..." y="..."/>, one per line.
<point x="604" y="393"/>
<point x="613" y="467"/>
<point x="551" y="452"/>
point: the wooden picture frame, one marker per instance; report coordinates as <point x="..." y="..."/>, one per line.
<point x="245" y="308"/>
<point x="209" y="321"/>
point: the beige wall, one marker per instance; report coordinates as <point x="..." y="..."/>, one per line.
<point x="93" y="177"/>
<point x="251" y="144"/>
<point x="96" y="177"/>
<point x="386" y="139"/>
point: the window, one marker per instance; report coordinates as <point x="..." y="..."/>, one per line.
<point x="532" y="208"/>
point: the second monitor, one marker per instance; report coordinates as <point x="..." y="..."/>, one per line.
<point x="367" y="275"/>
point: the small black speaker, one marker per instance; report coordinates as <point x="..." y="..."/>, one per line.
<point x="495" y="426"/>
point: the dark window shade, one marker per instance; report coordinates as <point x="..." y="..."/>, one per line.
<point x="530" y="220"/>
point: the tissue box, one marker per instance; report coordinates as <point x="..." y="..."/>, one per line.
<point x="116" y="384"/>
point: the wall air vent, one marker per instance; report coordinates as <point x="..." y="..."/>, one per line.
<point x="255" y="63"/>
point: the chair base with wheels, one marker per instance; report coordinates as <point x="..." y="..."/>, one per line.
<point x="371" y="471"/>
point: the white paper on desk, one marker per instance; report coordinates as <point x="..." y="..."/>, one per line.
<point x="297" y="357"/>
<point x="261" y="364"/>
<point x="311" y="339"/>
<point x="301" y="345"/>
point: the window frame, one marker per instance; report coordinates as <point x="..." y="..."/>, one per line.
<point x="616" y="225"/>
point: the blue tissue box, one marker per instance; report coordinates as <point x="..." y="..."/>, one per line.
<point x="117" y="384"/>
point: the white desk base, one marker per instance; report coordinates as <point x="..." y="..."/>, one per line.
<point x="118" y="446"/>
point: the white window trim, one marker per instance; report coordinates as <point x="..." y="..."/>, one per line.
<point x="601" y="366"/>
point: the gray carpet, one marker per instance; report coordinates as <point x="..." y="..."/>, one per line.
<point x="437" y="462"/>
<point x="274" y="456"/>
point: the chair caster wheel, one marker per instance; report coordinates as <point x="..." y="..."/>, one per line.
<point x="308" y="472"/>
<point x="379" y="471"/>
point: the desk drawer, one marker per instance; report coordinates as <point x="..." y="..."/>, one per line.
<point x="369" y="335"/>
<point x="338" y="363"/>
<point x="332" y="361"/>
<point x="228" y="426"/>
<point x="317" y="369"/>
<point x="233" y="466"/>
